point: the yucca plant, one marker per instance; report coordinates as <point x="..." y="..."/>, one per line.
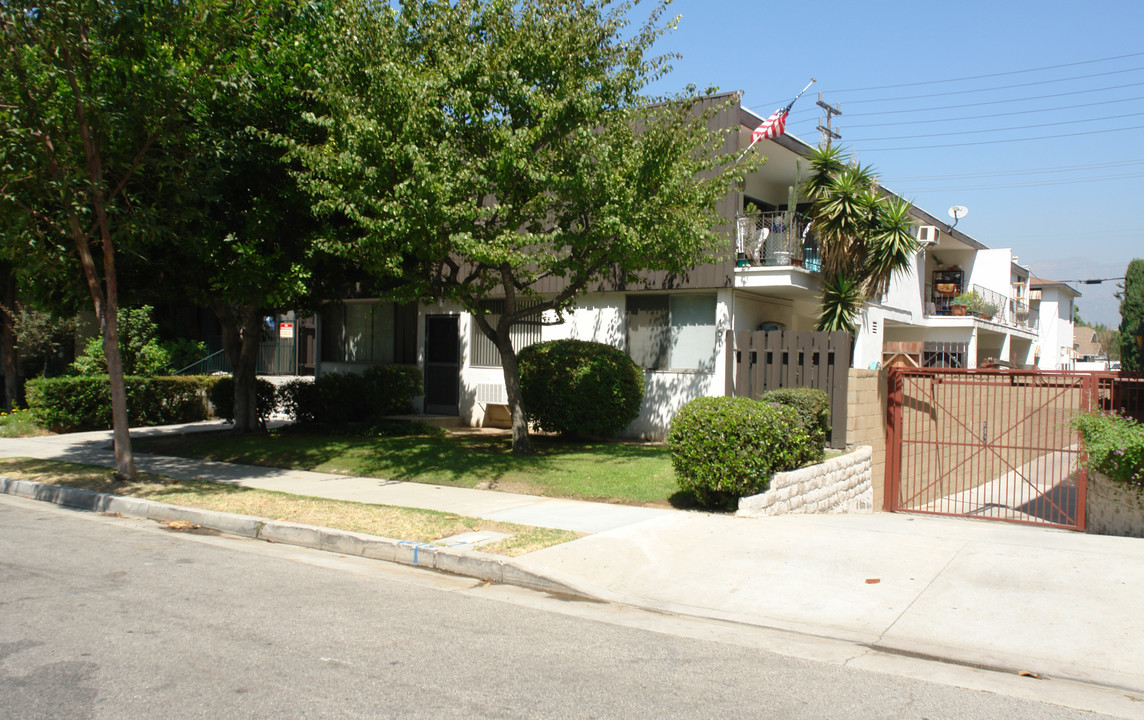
<point x="842" y="300"/>
<point x="865" y="236"/>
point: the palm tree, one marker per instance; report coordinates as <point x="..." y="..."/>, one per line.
<point x="865" y="236"/>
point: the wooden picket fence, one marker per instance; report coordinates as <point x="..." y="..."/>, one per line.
<point x="761" y="361"/>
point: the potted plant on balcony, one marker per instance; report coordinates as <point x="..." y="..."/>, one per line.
<point x="982" y="308"/>
<point x="961" y="304"/>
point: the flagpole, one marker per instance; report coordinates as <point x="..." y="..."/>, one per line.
<point x="792" y="102"/>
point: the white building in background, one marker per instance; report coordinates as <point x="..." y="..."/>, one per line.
<point x="1054" y="304"/>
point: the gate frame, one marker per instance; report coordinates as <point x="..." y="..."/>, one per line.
<point x="1090" y="384"/>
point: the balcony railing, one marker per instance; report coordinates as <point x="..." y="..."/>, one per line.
<point x="776" y="239"/>
<point x="985" y="304"/>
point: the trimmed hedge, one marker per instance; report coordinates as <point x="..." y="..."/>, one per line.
<point x="352" y="398"/>
<point x="578" y="387"/>
<point x="69" y="404"/>
<point x="813" y="408"/>
<point x="222" y="397"/>
<point x="725" y="448"/>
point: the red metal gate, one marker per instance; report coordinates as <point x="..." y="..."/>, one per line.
<point x="988" y="443"/>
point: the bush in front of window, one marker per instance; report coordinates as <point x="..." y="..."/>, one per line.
<point x="813" y="408"/>
<point x="338" y="398"/>
<point x="725" y="448"/>
<point x="580" y="388"/>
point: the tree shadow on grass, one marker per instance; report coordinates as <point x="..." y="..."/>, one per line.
<point x="463" y="460"/>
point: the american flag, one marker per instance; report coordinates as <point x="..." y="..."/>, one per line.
<point x="773" y="126"/>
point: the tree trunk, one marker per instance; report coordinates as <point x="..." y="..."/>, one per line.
<point x="241" y="337"/>
<point x="9" y="358"/>
<point x="124" y="457"/>
<point x="521" y="444"/>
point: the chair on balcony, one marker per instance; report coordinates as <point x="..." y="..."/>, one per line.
<point x="757" y="253"/>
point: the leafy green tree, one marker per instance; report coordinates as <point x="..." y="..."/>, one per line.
<point x="497" y="149"/>
<point x="254" y="248"/>
<point x="94" y="96"/>
<point x="39" y="334"/>
<point x="1132" y="317"/>
<point x="864" y="235"/>
<point x="139" y="345"/>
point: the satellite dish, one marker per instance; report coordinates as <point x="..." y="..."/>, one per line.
<point x="957" y="212"/>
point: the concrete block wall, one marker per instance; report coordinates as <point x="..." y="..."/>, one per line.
<point x="839" y="485"/>
<point x="867" y="392"/>
<point x="1113" y="509"/>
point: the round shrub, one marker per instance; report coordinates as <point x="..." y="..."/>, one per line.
<point x="725" y="448"/>
<point x="578" y="387"/>
<point x="813" y="408"/>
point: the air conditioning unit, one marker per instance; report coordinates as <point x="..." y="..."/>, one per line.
<point x="928" y="234"/>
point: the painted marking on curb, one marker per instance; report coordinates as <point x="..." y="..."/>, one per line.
<point x="416" y="547"/>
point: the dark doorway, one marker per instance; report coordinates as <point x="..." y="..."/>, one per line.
<point x="307" y="345"/>
<point x="442" y="365"/>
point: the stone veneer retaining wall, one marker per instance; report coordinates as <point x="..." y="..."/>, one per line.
<point x="1111" y="508"/>
<point x="839" y="485"/>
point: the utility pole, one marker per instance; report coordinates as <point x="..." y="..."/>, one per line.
<point x="828" y="132"/>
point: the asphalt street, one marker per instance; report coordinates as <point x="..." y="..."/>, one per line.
<point x="114" y="618"/>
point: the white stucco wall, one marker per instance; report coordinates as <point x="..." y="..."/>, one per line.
<point x="992" y="270"/>
<point x="1056" y="328"/>
<point x="907" y="288"/>
<point x="600" y="317"/>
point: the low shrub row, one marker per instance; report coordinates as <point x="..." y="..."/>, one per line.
<point x="725" y="448"/>
<point x="69" y="404"/>
<point x="221" y="395"/>
<point x="339" y="398"/>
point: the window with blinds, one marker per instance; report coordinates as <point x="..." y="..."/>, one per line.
<point x="522" y="334"/>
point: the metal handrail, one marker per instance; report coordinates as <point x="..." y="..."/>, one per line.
<point x="223" y="366"/>
<point x="776" y="238"/>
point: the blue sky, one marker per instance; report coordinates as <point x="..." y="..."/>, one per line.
<point x="1064" y="187"/>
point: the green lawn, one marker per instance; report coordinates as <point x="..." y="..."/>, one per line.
<point x="620" y="472"/>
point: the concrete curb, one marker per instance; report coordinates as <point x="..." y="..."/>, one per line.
<point x="455" y="561"/>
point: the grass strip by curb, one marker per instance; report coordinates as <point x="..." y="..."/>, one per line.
<point x="411" y="524"/>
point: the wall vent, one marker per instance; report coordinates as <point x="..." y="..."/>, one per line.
<point x="492" y="394"/>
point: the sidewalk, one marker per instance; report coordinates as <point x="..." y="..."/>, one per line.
<point x="1053" y="602"/>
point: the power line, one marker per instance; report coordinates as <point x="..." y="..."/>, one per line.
<point x="1095" y="281"/>
<point x="990" y="75"/>
<point x="998" y="87"/>
<point x="1032" y="171"/>
<point x="979" y="132"/>
<point x="995" y="142"/>
<point x="992" y="115"/>
<point x="1003" y="186"/>
<point x="989" y="102"/>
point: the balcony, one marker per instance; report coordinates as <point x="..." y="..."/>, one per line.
<point x="776" y="239"/>
<point x="980" y="303"/>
